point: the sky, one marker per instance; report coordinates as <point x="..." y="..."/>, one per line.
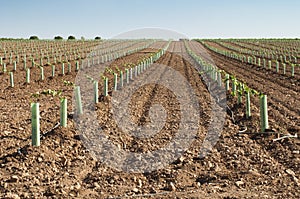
<point x="109" y="18"/>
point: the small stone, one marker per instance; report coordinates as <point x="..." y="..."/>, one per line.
<point x="96" y="185"/>
<point x="296" y="152"/>
<point x="135" y="190"/>
<point x="210" y="165"/>
<point x="153" y="190"/>
<point x="116" y="177"/>
<point x="181" y="159"/>
<point x="77" y="186"/>
<point x="254" y="172"/>
<point x="217" y="168"/>
<point x="72" y="194"/>
<point x="172" y="187"/>
<point x="14" y="178"/>
<point x="296" y="180"/>
<point x="189" y="152"/>
<point x="119" y="146"/>
<point x="40" y="159"/>
<point x="140" y="183"/>
<point x="290" y="172"/>
<point x="239" y="183"/>
<point x="63" y="191"/>
<point x="134" y="178"/>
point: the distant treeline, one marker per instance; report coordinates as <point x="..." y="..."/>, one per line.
<point x="6" y="39"/>
<point x="71" y="37"/>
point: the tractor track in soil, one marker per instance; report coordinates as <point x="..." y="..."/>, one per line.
<point x="141" y="101"/>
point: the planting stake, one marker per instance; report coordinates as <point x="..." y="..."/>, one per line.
<point x="127" y="76"/>
<point x="131" y="73"/>
<point x="248" y="105"/>
<point x="63" y="69"/>
<point x="105" y="86"/>
<point x="264" y="113"/>
<point x="35" y="124"/>
<point x="270" y="64"/>
<point x="78" y="100"/>
<point x="11" y="77"/>
<point x="4" y="68"/>
<point x="239" y="96"/>
<point x="42" y="73"/>
<point x="115" y="82"/>
<point x="227" y="81"/>
<point x="53" y="71"/>
<point x="139" y="69"/>
<point x="121" y="79"/>
<point x="96" y="94"/>
<point x="77" y="66"/>
<point x="28" y="75"/>
<point x="234" y="87"/>
<point x="63" y="112"/>
<point x="143" y="66"/>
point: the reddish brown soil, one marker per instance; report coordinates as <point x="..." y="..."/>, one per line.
<point x="283" y="109"/>
<point x="238" y="167"/>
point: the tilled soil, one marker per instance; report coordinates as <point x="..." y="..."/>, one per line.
<point x="283" y="109"/>
<point x="239" y="166"/>
<point x="282" y="91"/>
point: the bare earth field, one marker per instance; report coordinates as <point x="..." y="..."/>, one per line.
<point x="239" y="166"/>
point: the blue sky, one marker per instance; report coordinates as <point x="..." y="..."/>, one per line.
<point x="107" y="18"/>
